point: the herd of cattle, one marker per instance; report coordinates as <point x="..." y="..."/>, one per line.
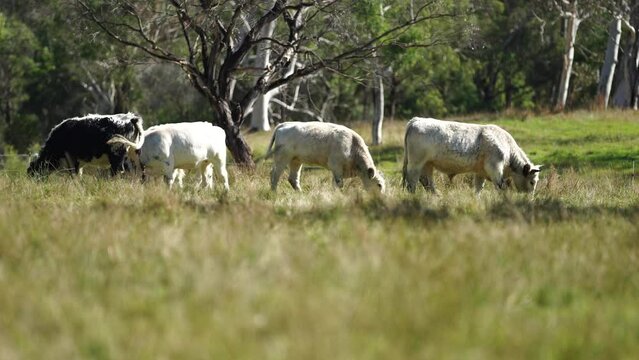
<point x="120" y="141"/>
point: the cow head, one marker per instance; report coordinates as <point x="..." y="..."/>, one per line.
<point x="132" y="161"/>
<point x="526" y="179"/>
<point x="374" y="181"/>
<point x="41" y="167"/>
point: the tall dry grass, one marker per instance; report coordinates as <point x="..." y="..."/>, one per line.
<point x="113" y="269"/>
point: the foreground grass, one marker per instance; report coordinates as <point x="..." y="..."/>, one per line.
<point x="111" y="269"/>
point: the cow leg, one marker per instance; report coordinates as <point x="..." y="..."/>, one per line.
<point x="495" y="171"/>
<point x="178" y="174"/>
<point x="201" y="178"/>
<point x="413" y="174"/>
<point x="294" y="172"/>
<point x="168" y="169"/>
<point x="207" y="175"/>
<point x="73" y="164"/>
<point x="219" y="166"/>
<point x="338" y="179"/>
<point x="479" y="183"/>
<point x="116" y="162"/>
<point x="426" y="178"/>
<point x="276" y="172"/>
<point x="180" y="178"/>
<point x="168" y="179"/>
<point x="424" y="181"/>
<point x="338" y="172"/>
<point x="223" y="173"/>
<point x="201" y="175"/>
<point x="450" y="180"/>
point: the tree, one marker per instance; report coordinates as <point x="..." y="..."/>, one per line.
<point x="378" y="106"/>
<point x="259" y="116"/>
<point x="626" y="94"/>
<point x="71" y="75"/>
<point x="210" y="40"/>
<point x="23" y="60"/>
<point x="611" y="58"/>
<point x="18" y="48"/>
<point x="573" y="15"/>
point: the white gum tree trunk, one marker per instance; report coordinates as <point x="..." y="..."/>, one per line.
<point x="259" y="116"/>
<point x="378" y="108"/>
<point x="622" y="96"/>
<point x="378" y="93"/>
<point x="610" y="63"/>
<point x="572" y="25"/>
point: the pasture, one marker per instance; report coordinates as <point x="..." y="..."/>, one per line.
<point x="113" y="269"/>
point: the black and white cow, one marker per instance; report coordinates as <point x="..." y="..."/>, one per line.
<point x="78" y="141"/>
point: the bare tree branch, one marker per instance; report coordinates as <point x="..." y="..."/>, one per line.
<point x="292" y="108"/>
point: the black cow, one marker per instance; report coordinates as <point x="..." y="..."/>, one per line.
<point x="78" y="141"/>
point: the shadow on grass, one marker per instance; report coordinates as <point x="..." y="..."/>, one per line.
<point x="412" y="209"/>
<point x="418" y="210"/>
<point x="554" y="210"/>
<point x="615" y="160"/>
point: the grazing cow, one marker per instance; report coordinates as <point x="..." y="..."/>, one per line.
<point x="332" y="146"/>
<point x="488" y="151"/>
<point x="79" y="141"/>
<point x="165" y="149"/>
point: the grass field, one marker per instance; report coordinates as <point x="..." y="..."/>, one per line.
<point x="112" y="269"/>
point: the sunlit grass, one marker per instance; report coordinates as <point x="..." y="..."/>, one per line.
<point x="111" y="268"/>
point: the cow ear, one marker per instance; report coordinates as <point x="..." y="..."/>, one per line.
<point x="526" y="169"/>
<point x="371" y="173"/>
<point x="536" y="169"/>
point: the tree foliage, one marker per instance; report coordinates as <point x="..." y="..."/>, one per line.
<point x="62" y="58"/>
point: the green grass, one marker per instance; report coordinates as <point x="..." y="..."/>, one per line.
<point x="112" y="269"/>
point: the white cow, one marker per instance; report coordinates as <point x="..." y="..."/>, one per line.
<point x="488" y="151"/>
<point x="164" y="149"/>
<point x="332" y="146"/>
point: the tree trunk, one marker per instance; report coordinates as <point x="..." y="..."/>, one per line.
<point x="259" y="116"/>
<point x="486" y="82"/>
<point x="392" y="96"/>
<point x="610" y="63"/>
<point x="570" y="35"/>
<point x="378" y="108"/>
<point x="366" y="95"/>
<point x="121" y="98"/>
<point x="623" y="96"/>
<point x="634" y="22"/>
<point x="509" y="89"/>
<point x="240" y="150"/>
<point x="229" y="121"/>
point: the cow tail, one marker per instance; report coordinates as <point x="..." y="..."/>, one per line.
<point x="405" y="165"/>
<point x="271" y="149"/>
<point x="137" y="123"/>
<point x="119" y="139"/>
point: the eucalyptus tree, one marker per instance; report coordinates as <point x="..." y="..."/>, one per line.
<point x="626" y="94"/>
<point x="619" y="11"/>
<point x="209" y="40"/>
